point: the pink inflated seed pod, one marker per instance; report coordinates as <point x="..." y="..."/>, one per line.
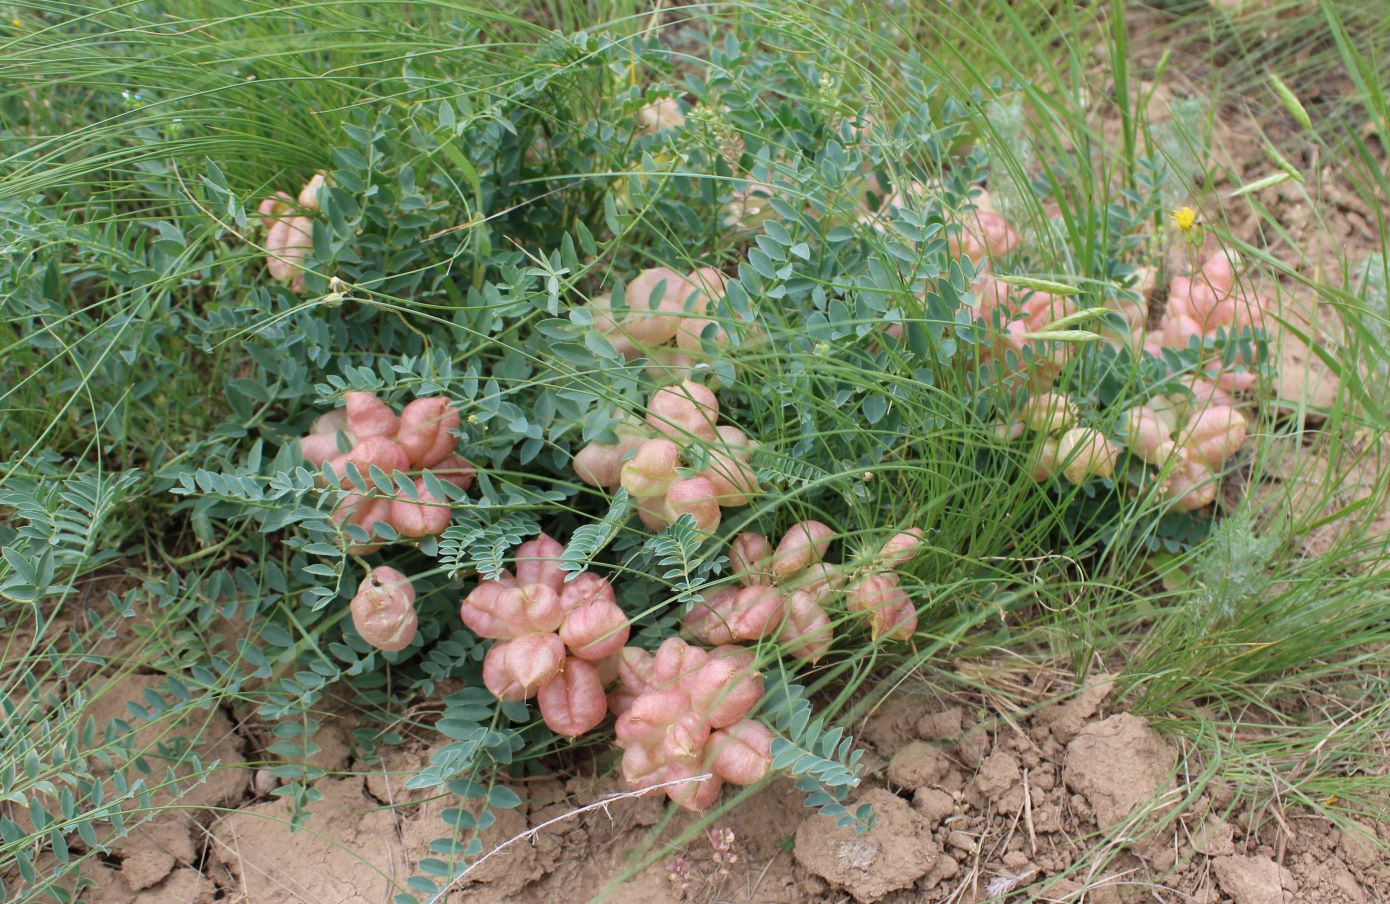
<point x="696" y="497"/>
<point x="427" y="430"/>
<point x="804" y="543"/>
<point x="455" y="469"/>
<point x="702" y="286"/>
<point x="1084" y="453"/>
<point x="653" y="513"/>
<point x="674" y="659"/>
<point x="1044" y="463"/>
<point x="806" y="631"/>
<point x="368" y="415"/>
<point x="1191" y="486"/>
<point x="287" y="243"/>
<point x="1213" y="436"/>
<point x="646" y="721"/>
<point x="820" y="580"/>
<point x="651" y="469"/>
<point x="742" y="752"/>
<point x="374" y="451"/>
<point x="724" y="690"/>
<point x="517" y="669"/>
<point x="711" y="620"/>
<point x="635" y="669"/>
<point x="890" y="611"/>
<point x="584" y="588"/>
<point x="531" y="608"/>
<point x="1042" y="309"/>
<point x="601" y="464"/>
<point x="998" y="236"/>
<point x="643" y="766"/>
<point x="1232" y="381"/>
<point x="537" y="561"/>
<point x="600" y="307"/>
<point x="595" y="630"/>
<point x="756" y="611"/>
<point x="901" y="547"/>
<point x="383" y="611"/>
<point x="309" y="194"/>
<point x="734" y="480"/>
<point x="573" y="701"/>
<point x="427" y="517"/>
<point x="685" y="410"/>
<point x="1220" y="272"/>
<point x="654" y="302"/>
<point x="1148" y="436"/>
<point x="685" y="737"/>
<point x="692" y="795"/>
<point x="1179" y="329"/>
<point x="898" y="622"/>
<point x="750" y="559"/>
<point x="274" y="208"/>
<point x="660" y="115"/>
<point x="318" y="448"/>
<point x="480" y="609"/>
<point x="1206" y="394"/>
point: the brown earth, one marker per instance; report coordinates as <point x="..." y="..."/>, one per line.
<point x="1068" y="800"/>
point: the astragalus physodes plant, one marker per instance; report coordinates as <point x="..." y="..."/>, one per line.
<point x="652" y="423"/>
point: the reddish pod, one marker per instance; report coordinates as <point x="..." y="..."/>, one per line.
<point x="383" y="611"/>
<point x="321" y="443"/>
<point x="427" y="430"/>
<point x="573" y="701"/>
<point x="1149" y="436"/>
<point x="517" y="669"/>
<point x="424" y="517"/>
<point x="289" y="235"/>
<point x="781" y="592"/>
<point x="890" y="610"/>
<point x="1084" y="453"/>
<point x="601" y="464"/>
<point x="684" y="411"/>
<point x="660" y="115"/>
<point x="1213" y="435"/>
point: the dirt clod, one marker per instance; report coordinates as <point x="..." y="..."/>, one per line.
<point x="918" y="765"/>
<point x="998" y="773"/>
<point x="934" y="804"/>
<point x="943" y="725"/>
<point x="1249" y="880"/>
<point x="892" y="855"/>
<point x="1117" y="765"/>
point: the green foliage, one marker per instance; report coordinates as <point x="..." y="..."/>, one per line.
<point x="155" y="378"/>
<point x="823" y="759"/>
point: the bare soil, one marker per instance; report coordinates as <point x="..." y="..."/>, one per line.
<point x="1068" y="799"/>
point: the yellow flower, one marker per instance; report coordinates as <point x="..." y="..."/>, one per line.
<point x="1186" y="218"/>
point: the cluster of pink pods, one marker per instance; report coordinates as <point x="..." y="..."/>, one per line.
<point x="782" y="592"/>
<point x="552" y="636"/>
<point x="289" y="227"/>
<point x="420" y="437"/>
<point x="1198" y="308"/>
<point x="665" y="317"/>
<point x="682" y="713"/>
<point x="1187" y="444"/>
<point x="649" y="458"/>
<point x="779" y="593"/>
